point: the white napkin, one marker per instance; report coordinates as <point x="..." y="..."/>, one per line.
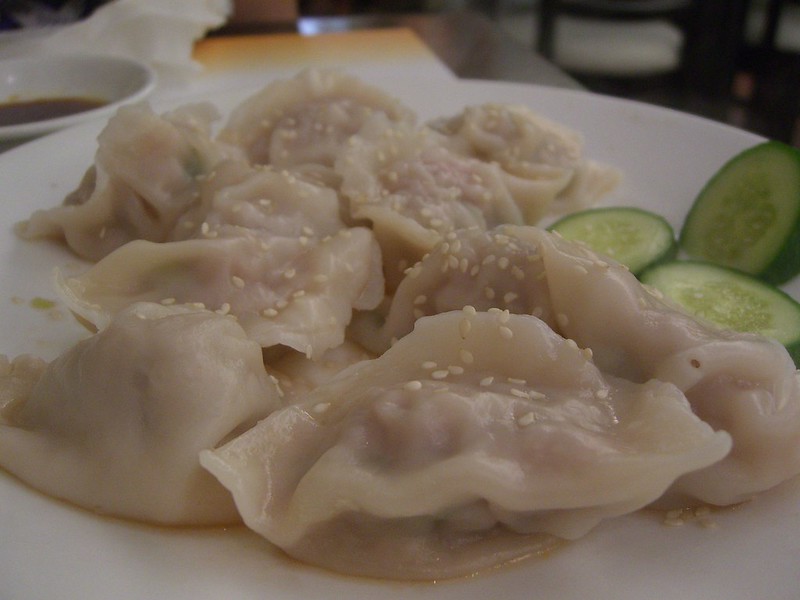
<point x="160" y="33"/>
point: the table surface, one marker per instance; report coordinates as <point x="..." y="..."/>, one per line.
<point x="469" y="43"/>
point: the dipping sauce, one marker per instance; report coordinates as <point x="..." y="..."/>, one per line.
<point x="28" y="111"/>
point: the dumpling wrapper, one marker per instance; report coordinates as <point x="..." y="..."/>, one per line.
<point x="147" y="172"/>
<point x="414" y="190"/>
<point x="307" y="119"/>
<point x="744" y="384"/>
<point x="472" y="441"/>
<point x="292" y="295"/>
<point x="542" y="161"/>
<point x="116" y="423"/>
<point x="482" y="269"/>
<point x="740" y="383"/>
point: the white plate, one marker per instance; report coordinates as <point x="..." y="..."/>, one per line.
<point x="50" y="550"/>
<point x="113" y="80"/>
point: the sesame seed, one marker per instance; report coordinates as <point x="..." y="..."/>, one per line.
<point x="289" y="273"/>
<point x="456" y="369"/>
<point x="421" y="299"/>
<point x="509" y="297"/>
<point x="464" y="327"/>
<point x="506" y="333"/>
<point x="269" y="312"/>
<point x="487" y="381"/>
<point x="440" y="374"/>
<point x="237" y="281"/>
<point x="519" y="393"/>
<point x="321" y="407"/>
<point x="466" y="356"/>
<point x="469" y="310"/>
<point x="526" y="419"/>
<point x="168" y="301"/>
<point x="429" y="364"/>
<point x="562" y="320"/>
<point x="413" y="386"/>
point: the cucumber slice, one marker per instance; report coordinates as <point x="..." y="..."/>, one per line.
<point x="731" y="299"/>
<point x="632" y="236"/>
<point x="747" y="217"/>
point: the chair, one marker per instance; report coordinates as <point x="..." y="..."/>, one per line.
<point x="771" y="57"/>
<point x="616" y="38"/>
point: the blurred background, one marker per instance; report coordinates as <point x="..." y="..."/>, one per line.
<point x="735" y="61"/>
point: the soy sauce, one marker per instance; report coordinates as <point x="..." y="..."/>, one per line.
<point x="27" y="111"/>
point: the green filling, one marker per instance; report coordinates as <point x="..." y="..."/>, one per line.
<point x="42" y="303"/>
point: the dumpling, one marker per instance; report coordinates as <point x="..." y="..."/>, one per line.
<point x="744" y="384"/>
<point x="116" y="423"/>
<point x="237" y="198"/>
<point x="264" y="247"/>
<point x="414" y="191"/>
<point x="146" y="174"/>
<point x="543" y="162"/>
<point x="448" y="454"/>
<point x="281" y="293"/>
<point x="307" y="119"/>
<point x="483" y="269"/>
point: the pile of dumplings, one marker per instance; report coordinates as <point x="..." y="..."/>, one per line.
<point x="346" y="330"/>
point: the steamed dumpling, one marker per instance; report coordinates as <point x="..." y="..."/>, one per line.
<point x="260" y="245"/>
<point x="307" y="119"/>
<point x="414" y="191"/>
<point x="289" y="294"/>
<point x="483" y="269"/>
<point x="739" y="383"/>
<point x="744" y="384"/>
<point x="116" y="423"/>
<point x="147" y="172"/>
<point x="542" y="161"/>
<point x="448" y="454"/>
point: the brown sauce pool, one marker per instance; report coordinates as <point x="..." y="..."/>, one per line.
<point x="28" y="111"/>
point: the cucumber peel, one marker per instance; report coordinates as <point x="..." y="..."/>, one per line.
<point x="747" y="216"/>
<point x="634" y="237"/>
<point x="730" y="299"/>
